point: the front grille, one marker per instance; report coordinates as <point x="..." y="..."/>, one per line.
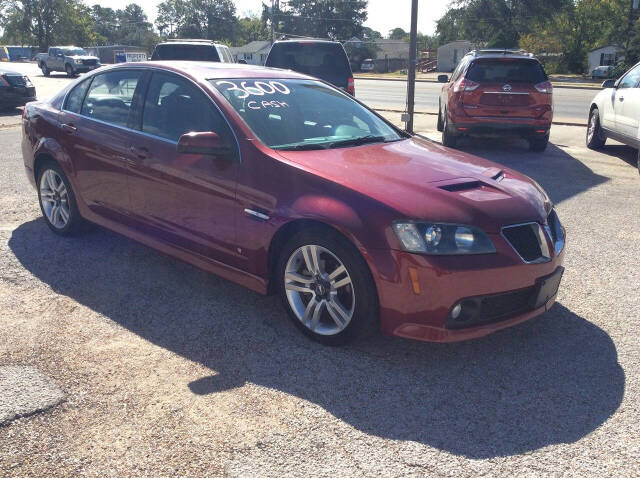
<point x="89" y="62"/>
<point x="528" y="241"/>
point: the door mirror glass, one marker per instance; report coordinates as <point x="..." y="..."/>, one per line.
<point x="205" y="142"/>
<point x="609" y="83"/>
<point x="443" y="79"/>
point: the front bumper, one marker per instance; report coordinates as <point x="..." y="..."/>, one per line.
<point x="417" y="292"/>
<point x="84" y="68"/>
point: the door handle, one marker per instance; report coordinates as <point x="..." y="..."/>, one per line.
<point x="69" y="128"/>
<point x="141" y="153"/>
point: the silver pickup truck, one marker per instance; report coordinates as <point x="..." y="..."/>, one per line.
<point x="70" y="59"/>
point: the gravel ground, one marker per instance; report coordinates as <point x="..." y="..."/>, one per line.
<point x="170" y="371"/>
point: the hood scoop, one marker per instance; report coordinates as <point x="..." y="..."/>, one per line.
<point x="476" y="190"/>
<point x="461" y="186"/>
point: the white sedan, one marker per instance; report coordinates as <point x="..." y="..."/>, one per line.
<point x="615" y="112"/>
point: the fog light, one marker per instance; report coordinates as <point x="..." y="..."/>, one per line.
<point x="455" y="312"/>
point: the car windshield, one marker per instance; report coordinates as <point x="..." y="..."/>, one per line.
<point x="291" y="114"/>
<point x="189" y="52"/>
<point x="506" y="71"/>
<point x="74" y="52"/>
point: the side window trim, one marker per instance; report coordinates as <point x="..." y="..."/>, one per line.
<point x="137" y="103"/>
<point x="66" y="97"/>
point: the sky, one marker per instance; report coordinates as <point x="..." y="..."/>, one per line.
<point x="383" y="14"/>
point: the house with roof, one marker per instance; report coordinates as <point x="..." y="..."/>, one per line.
<point x="254" y="53"/>
<point x="606" y="55"/>
<point x="451" y="53"/>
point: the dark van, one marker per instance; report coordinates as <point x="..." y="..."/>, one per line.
<point x="323" y="59"/>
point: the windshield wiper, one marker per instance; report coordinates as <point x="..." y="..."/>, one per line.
<point x="302" y="147"/>
<point x="357" y="141"/>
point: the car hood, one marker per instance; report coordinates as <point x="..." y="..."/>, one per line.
<point x="423" y="180"/>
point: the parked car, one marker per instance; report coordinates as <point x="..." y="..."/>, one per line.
<point x="367" y="65"/>
<point x="497" y="92"/>
<point x="285" y="184"/>
<point x="323" y="59"/>
<point x="601" y="72"/>
<point x="192" y="50"/>
<point x="615" y="112"/>
<point x="16" y="89"/>
<point x="70" y="59"/>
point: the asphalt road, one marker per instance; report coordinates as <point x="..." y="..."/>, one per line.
<point x="169" y="371"/>
<point x="570" y="104"/>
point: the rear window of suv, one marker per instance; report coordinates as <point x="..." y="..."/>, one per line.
<point x="506" y="71"/>
<point x="185" y="52"/>
<point x="311" y="58"/>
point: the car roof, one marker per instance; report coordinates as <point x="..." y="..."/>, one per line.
<point x="206" y="70"/>
<point x="307" y="40"/>
<point x="187" y="41"/>
<point x="502" y="54"/>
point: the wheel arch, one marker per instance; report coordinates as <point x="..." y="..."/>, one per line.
<point x="292" y="227"/>
<point x="39" y="160"/>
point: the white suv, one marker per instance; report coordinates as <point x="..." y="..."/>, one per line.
<point x="615" y="112"/>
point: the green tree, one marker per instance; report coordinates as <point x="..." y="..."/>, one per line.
<point x="397" y="34"/>
<point x="212" y="19"/>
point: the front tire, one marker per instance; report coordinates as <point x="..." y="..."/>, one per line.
<point x="45" y="69"/>
<point x="439" y="125"/>
<point x="595" y="136"/>
<point x="69" y="69"/>
<point x="326" y="287"/>
<point x="57" y="200"/>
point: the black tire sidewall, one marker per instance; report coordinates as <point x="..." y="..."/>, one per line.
<point x="596" y="141"/>
<point x="365" y="316"/>
<point x="74" y="220"/>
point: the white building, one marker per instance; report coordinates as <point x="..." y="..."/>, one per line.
<point x="604" y="56"/>
<point x="450" y="54"/>
<point x="254" y="53"/>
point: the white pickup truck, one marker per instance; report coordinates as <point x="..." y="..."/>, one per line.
<point x="70" y="59"/>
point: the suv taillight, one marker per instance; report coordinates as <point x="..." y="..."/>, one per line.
<point x="351" y="87"/>
<point x="544" y="87"/>
<point x="463" y="84"/>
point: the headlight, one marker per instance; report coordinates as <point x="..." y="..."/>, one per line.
<point x="78" y="62"/>
<point x="442" y="239"/>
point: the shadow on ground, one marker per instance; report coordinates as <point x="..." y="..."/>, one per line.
<point x="551" y="380"/>
<point x="559" y="173"/>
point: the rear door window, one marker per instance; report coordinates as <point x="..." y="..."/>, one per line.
<point x="110" y="96"/>
<point x="506" y="71"/>
<point x="322" y="60"/>
<point x="75" y="97"/>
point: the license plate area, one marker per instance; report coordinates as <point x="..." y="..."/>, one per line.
<point x="547" y="287"/>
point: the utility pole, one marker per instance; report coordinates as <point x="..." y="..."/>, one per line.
<point x="413" y="47"/>
<point x="633" y="5"/>
<point x="272" y="29"/>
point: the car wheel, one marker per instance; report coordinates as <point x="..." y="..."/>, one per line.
<point x="326" y="287"/>
<point x="638" y="161"/>
<point x="45" y="69"/>
<point x="57" y="201"/>
<point x="69" y="69"/>
<point x="448" y="139"/>
<point x="538" y="145"/>
<point x="439" y="125"/>
<point x="595" y="135"/>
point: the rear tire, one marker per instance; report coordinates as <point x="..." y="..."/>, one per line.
<point x="57" y="200"/>
<point x="439" y="125"/>
<point x="340" y="302"/>
<point x="595" y="136"/>
<point x="448" y="139"/>
<point x="538" y="145"/>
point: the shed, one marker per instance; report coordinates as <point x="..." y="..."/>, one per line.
<point x="451" y="53"/>
<point x="254" y="53"/>
<point x="108" y="53"/>
<point x="604" y="56"/>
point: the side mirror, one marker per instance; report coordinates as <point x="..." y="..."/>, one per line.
<point x="443" y="79"/>
<point x="206" y="142"/>
<point x="609" y="83"/>
<point x="242" y="62"/>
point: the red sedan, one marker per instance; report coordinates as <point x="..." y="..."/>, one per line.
<point x="287" y="185"/>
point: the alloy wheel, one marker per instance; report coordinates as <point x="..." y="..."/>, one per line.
<point x="319" y="290"/>
<point x="55" y="199"/>
<point x="592" y="127"/>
